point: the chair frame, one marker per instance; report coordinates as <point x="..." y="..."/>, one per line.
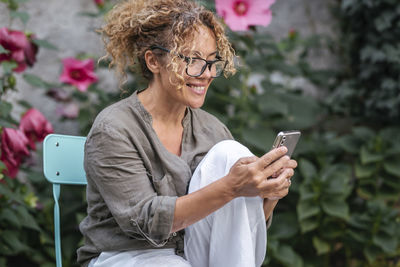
<point x="62" y="164"/>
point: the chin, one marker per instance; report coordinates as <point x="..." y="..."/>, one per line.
<point x="197" y="104"/>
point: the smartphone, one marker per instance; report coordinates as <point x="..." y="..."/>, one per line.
<point x="288" y="139"/>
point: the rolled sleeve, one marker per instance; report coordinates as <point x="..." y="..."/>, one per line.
<point x="115" y="167"/>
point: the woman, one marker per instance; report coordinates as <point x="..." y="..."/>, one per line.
<point x="143" y="151"/>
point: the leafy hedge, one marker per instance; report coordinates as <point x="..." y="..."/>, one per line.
<point x="343" y="208"/>
<point x="371" y="47"/>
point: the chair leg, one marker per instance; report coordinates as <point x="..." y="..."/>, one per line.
<point x="57" y="239"/>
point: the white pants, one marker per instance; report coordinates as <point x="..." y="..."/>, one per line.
<point x="235" y="235"/>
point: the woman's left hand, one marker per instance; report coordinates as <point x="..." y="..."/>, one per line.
<point x="285" y="174"/>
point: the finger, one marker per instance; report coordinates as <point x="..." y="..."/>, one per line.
<point x="279" y="187"/>
<point x="270" y="157"/>
<point x="276" y="195"/>
<point x="285" y="176"/>
<point x="247" y="160"/>
<point x="277" y="167"/>
<point x="277" y="173"/>
<point x="291" y="164"/>
<point x="283" y="180"/>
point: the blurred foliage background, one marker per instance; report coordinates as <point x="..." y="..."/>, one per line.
<point x="343" y="208"/>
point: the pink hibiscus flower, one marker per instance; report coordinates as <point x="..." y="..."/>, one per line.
<point x="35" y="126"/>
<point x="99" y="3"/>
<point x="79" y="73"/>
<point x="14" y="147"/>
<point x="240" y="14"/>
<point x="20" y="48"/>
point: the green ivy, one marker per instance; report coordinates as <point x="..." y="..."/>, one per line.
<point x="370" y="49"/>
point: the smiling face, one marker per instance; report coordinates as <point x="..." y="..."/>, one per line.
<point x="194" y="89"/>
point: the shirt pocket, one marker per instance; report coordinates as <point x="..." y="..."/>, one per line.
<point x="165" y="186"/>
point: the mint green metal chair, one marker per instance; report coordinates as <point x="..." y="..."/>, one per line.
<point x="62" y="164"/>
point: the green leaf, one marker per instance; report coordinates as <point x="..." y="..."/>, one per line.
<point x="25" y="104"/>
<point x="358" y="236"/>
<point x="365" y="192"/>
<point x="336" y="180"/>
<point x="384" y="21"/>
<point x="23" y="16"/>
<point x="306" y="209"/>
<point x="5" y="250"/>
<point x="260" y="138"/>
<point x="363" y="221"/>
<point x="350" y="144"/>
<point x="8" y="215"/>
<point x="11" y="239"/>
<point x="5" y="109"/>
<point x="390" y="134"/>
<point x="386" y="242"/>
<point x="335" y="207"/>
<point x="303" y="112"/>
<point x="368" y="157"/>
<point x="2" y="166"/>
<point x="8" y="66"/>
<point x="285" y="226"/>
<point x="35" y="81"/>
<point x="3" y="50"/>
<point x="306" y="193"/>
<point x="308" y="225"/>
<point x="270" y="103"/>
<point x="363" y="133"/>
<point x="392" y="168"/>
<point x="364" y="171"/>
<point x="288" y="256"/>
<point x="26" y="218"/>
<point x="321" y="246"/>
<point x="307" y="169"/>
<point x="4" y="190"/>
<point x="370" y="253"/>
<point x="44" y="44"/>
<point x="7" y="123"/>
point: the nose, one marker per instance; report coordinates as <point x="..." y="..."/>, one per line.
<point x="207" y="72"/>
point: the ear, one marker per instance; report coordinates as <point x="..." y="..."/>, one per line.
<point x="151" y="61"/>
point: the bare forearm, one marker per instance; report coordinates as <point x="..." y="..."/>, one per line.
<point x="197" y="205"/>
<point x="269" y="206"/>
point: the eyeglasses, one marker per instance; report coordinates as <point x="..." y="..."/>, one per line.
<point x="196" y="66"/>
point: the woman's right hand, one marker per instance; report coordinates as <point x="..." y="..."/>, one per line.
<point x="249" y="175"/>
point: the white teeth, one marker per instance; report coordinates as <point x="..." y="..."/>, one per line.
<point x="198" y="89"/>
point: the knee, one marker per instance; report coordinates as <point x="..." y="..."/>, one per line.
<point x="217" y="163"/>
<point x="230" y="148"/>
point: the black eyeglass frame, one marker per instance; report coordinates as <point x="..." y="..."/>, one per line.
<point x="209" y="63"/>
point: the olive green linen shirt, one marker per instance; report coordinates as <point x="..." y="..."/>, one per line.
<point x="133" y="181"/>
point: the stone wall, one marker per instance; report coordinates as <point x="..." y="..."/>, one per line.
<point x="59" y="22"/>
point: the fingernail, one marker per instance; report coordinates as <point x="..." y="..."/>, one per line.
<point x="283" y="149"/>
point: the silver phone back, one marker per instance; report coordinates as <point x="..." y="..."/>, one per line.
<point x="288" y="139"/>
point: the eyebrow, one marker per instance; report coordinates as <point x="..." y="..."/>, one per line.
<point x="197" y="53"/>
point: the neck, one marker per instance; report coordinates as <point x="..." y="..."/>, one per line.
<point x="160" y="106"/>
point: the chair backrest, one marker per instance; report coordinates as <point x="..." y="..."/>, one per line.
<point x="62" y="164"/>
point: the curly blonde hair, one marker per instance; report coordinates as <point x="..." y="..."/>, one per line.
<point x="133" y="26"/>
